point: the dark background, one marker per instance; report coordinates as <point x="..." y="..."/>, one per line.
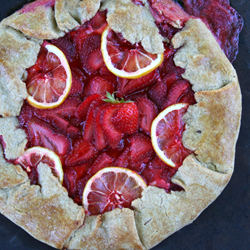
<point x="224" y="225"/>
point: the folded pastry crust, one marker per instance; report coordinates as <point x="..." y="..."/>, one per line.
<point x="212" y="127"/>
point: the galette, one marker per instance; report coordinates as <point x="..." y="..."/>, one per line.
<point x="119" y="118"/>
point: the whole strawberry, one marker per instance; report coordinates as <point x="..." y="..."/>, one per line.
<point x="126" y="118"/>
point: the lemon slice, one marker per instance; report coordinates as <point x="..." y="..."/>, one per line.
<point x="112" y="187"/>
<point x="127" y="62"/>
<point x="166" y="135"/>
<point x="49" y="82"/>
<point x="33" y="156"/>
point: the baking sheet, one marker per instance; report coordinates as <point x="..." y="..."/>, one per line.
<point x="225" y="224"/>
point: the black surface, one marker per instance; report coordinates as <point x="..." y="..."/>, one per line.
<point x="225" y="224"/>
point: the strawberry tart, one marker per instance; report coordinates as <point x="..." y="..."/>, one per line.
<point x="119" y="118"/>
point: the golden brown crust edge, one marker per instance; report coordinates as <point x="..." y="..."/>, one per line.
<point x="153" y="221"/>
<point x="45" y="211"/>
<point x="212" y="125"/>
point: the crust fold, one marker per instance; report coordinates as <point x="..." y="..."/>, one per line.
<point x="31" y="207"/>
<point x="212" y="127"/>
<point x="16" y="54"/>
<point x="70" y="14"/>
<point x="13" y="137"/>
<point x="206" y="66"/>
<point x="112" y="230"/>
<point x="39" y="23"/>
<point x="159" y="214"/>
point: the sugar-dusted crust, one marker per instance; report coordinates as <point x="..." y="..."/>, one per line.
<point x="112" y="230"/>
<point x="13" y="137"/>
<point x="39" y="23"/>
<point x="70" y="14"/>
<point x="44" y="211"/>
<point x="16" y="54"/>
<point x="206" y="66"/>
<point x="159" y="214"/>
<point x="212" y="127"/>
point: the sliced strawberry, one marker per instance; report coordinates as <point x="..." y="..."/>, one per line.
<point x="80" y="187"/>
<point x="140" y="147"/>
<point x="158" y="92"/>
<point x="98" y="22"/>
<point x="41" y="134"/>
<point x="60" y="117"/>
<point x="188" y="97"/>
<point x="167" y="30"/>
<point x="25" y="114"/>
<point x="67" y="108"/>
<point x="78" y="79"/>
<point x="103" y="161"/>
<point x="168" y="66"/>
<point x="72" y="175"/>
<point x="140" y="165"/>
<point x="80" y="169"/>
<point x="99" y="85"/>
<point x="90" y="54"/>
<point x="82" y="152"/>
<point x="147" y="112"/>
<point x="171" y="78"/>
<point x="167" y="175"/>
<point x="88" y="132"/>
<point x="82" y="110"/>
<point x="112" y="136"/>
<point x="100" y="141"/>
<point x="159" y="174"/>
<point x="126" y="118"/>
<point x="38" y="67"/>
<point x="104" y="71"/>
<point x="61" y="124"/>
<point x="157" y="163"/>
<point x="78" y="36"/>
<point x="67" y="47"/>
<point x="176" y="91"/>
<point x="126" y="86"/>
<point x="123" y="160"/>
<point x="168" y="11"/>
<point x="153" y="178"/>
<point x="69" y="181"/>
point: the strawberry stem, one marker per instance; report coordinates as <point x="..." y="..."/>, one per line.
<point x="111" y="99"/>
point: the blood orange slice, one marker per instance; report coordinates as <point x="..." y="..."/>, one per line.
<point x="166" y="135"/>
<point x="112" y="187"/>
<point x="33" y="156"/>
<point x="126" y="60"/>
<point x="49" y="80"/>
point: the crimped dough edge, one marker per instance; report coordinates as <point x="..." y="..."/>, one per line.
<point x="157" y="214"/>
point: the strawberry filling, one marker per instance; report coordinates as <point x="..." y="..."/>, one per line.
<point x="89" y="133"/>
<point x="32" y="6"/>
